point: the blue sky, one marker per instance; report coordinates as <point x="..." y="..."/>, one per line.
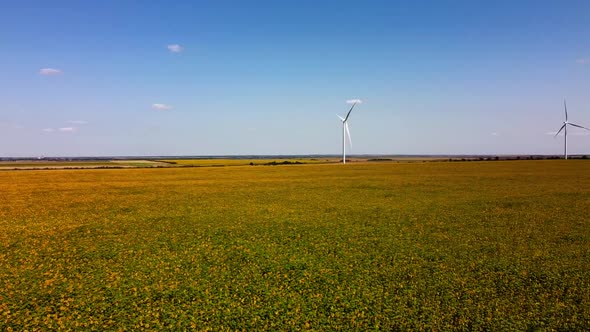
<point x="269" y="77"/>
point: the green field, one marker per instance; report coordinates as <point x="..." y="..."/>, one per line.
<point x="393" y="246"/>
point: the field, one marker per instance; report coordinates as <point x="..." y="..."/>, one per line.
<point x="128" y="163"/>
<point x="44" y="164"/>
<point x="395" y="246"/>
<point x="245" y="162"/>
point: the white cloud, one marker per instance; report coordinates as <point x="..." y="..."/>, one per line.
<point x="50" y="71"/>
<point x="161" y="107"/>
<point x="353" y="101"/>
<point x="68" y="129"/>
<point x="583" y="61"/>
<point x="495" y="134"/>
<point x="78" y="122"/>
<point x="175" y="48"/>
<point x="48" y="130"/>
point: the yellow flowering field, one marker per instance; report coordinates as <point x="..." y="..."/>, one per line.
<point x="364" y="246"/>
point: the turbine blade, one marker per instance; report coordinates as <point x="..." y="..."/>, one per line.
<point x="560" y="129"/>
<point x="348" y="134"/>
<point x="575" y="125"/>
<point x="565" y="108"/>
<point x="342" y="119"/>
<point x="348" y="114"/>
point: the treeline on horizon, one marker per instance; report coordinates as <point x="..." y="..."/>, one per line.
<point x="367" y="157"/>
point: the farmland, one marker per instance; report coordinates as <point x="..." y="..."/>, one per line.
<point x="42" y="164"/>
<point x="425" y="246"/>
<point x="245" y="162"/>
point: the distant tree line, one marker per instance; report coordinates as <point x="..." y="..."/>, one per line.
<point x="497" y="158"/>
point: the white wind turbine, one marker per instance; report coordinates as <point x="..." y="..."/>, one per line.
<point x="345" y="130"/>
<point x="564" y="127"/>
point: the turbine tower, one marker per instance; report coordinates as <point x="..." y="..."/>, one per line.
<point x="564" y="128"/>
<point x="346" y="132"/>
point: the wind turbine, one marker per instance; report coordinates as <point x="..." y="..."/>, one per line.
<point x="564" y="127"/>
<point x="346" y="131"/>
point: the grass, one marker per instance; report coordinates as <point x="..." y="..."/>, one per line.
<point x="428" y="246"/>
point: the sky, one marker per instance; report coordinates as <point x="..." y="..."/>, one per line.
<point x="152" y="78"/>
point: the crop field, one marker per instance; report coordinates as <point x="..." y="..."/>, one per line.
<point x="394" y="246"/>
<point x="42" y="164"/>
<point x="245" y="161"/>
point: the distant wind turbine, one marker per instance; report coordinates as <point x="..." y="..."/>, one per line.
<point x="346" y="131"/>
<point x="564" y="127"/>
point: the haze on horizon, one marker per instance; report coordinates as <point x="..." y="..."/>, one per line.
<point x="115" y="78"/>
